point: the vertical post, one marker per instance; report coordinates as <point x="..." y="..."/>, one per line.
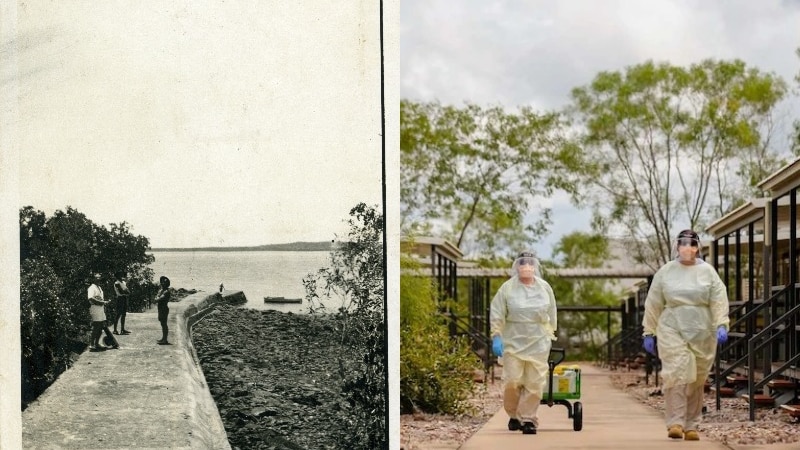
<point x="714" y="250"/>
<point x="751" y="290"/>
<point x="773" y="346"/>
<point x="751" y="361"/>
<point x="791" y="338"/>
<point x="767" y="257"/>
<point x="608" y="336"/>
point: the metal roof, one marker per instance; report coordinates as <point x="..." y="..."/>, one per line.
<point x="783" y="180"/>
<point x="635" y="272"/>
<point x="739" y="217"/>
<point x="423" y="245"/>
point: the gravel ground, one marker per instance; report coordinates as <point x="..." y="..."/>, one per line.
<point x="424" y="431"/>
<point x="729" y="425"/>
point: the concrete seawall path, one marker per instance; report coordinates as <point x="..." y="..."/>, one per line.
<point x="142" y="395"/>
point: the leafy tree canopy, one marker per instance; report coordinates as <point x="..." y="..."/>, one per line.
<point x="587" y="330"/>
<point x="671" y="147"/>
<point x="476" y="173"/>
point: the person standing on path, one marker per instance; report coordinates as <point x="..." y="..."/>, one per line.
<point x="122" y="294"/>
<point x="523" y="323"/>
<point x="97" y="303"/>
<point x="162" y="299"/>
<point x="687" y="309"/>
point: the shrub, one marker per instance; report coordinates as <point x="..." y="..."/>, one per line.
<point x="356" y="277"/>
<point x="45" y="328"/>
<point x="435" y="370"/>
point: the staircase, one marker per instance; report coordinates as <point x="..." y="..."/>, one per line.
<point x="758" y="363"/>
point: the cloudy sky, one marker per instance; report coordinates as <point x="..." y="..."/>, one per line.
<point x="211" y="124"/>
<point x="533" y="53"/>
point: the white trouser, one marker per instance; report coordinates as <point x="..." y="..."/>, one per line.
<point x="683" y="404"/>
<point x="524" y="383"/>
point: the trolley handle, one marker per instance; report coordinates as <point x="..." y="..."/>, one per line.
<point x="559" y="351"/>
<point x="552" y="364"/>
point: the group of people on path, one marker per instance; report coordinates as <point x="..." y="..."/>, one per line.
<point x="97" y="304"/>
<point x="685" y="318"/>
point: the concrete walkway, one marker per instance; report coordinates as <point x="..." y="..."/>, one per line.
<point x="143" y="395"/>
<point x="611" y="420"/>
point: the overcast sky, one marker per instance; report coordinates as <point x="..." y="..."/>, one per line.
<point x="514" y="53"/>
<point x="201" y="124"/>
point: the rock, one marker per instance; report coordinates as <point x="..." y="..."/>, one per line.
<point x="265" y="376"/>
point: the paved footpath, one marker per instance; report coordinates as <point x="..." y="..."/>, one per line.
<point x="611" y="420"/>
<point x="143" y="395"/>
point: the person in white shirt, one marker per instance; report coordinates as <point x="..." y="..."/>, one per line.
<point x="97" y="311"/>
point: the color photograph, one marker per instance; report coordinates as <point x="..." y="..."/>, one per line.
<point x="598" y="209"/>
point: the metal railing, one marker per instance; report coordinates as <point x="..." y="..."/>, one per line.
<point x="766" y="338"/>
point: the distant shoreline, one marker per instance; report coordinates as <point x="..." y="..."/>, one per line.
<point x="322" y="246"/>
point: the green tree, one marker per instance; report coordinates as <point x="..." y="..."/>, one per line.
<point x="477" y="172"/>
<point x="584" y="332"/>
<point x="356" y="277"/>
<point x="672" y="147"/>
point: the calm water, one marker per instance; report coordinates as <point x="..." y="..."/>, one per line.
<point x="257" y="274"/>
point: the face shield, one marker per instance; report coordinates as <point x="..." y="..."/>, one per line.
<point x="525" y="266"/>
<point x="687" y="247"/>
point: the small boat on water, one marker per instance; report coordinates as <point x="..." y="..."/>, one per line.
<point x="282" y="300"/>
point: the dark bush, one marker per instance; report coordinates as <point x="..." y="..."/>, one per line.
<point x="57" y="258"/>
<point x="356" y="277"/>
<point x="47" y="332"/>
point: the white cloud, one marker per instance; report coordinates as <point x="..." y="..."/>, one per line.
<point x="533" y="53"/>
<point x="201" y="124"/>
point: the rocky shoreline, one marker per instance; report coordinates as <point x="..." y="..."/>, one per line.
<point x="273" y="376"/>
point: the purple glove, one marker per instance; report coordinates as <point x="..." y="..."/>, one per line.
<point x="650" y="345"/>
<point x="722" y="335"/>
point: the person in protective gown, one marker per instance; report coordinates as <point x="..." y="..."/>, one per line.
<point x="523" y="324"/>
<point x="687" y="310"/>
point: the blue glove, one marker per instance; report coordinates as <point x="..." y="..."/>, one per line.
<point x="722" y="335"/>
<point x="650" y="345"/>
<point x="497" y="346"/>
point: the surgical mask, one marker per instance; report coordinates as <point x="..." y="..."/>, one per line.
<point x="687" y="248"/>
<point x="687" y="253"/>
<point x="525" y="271"/>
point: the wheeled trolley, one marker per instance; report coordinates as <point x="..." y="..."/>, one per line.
<point x="563" y="385"/>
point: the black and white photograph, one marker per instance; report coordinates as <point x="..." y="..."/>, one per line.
<point x="204" y="193"/>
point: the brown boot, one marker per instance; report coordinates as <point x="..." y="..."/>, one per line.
<point x="691" y="435"/>
<point x="675" y="431"/>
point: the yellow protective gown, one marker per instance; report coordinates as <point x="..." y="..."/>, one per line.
<point x="684" y="307"/>
<point x="525" y="318"/>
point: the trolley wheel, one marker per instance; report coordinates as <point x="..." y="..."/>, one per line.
<point x="577" y="416"/>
